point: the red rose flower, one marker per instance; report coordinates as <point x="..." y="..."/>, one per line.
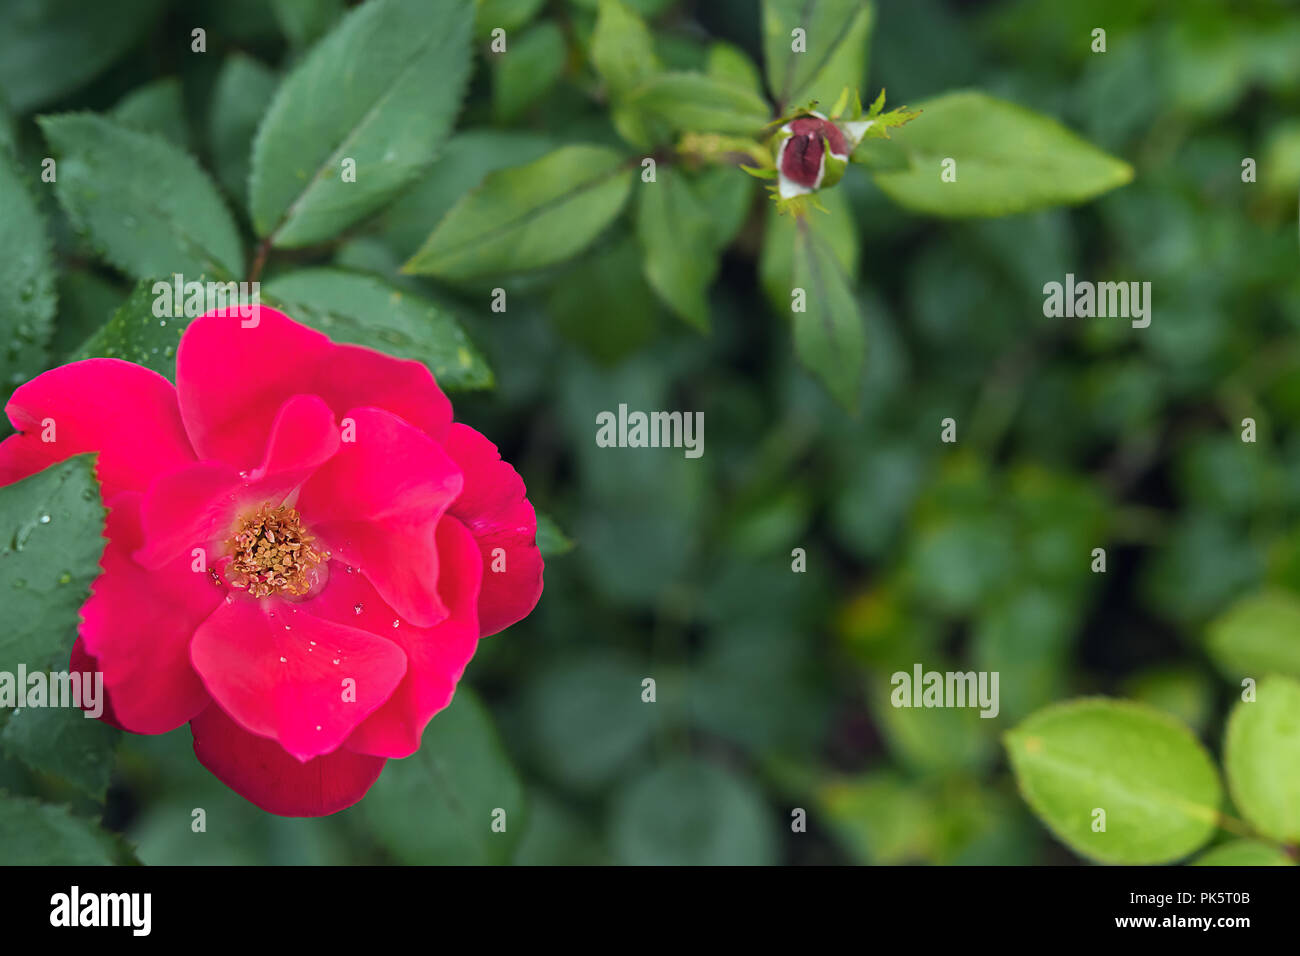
<point x="303" y="549"/>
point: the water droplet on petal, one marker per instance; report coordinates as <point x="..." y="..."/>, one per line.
<point x="396" y="623"/>
<point x="284" y="660"/>
<point x="358" y="607"/>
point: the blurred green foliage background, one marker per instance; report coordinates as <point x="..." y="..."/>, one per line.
<point x="773" y="686"/>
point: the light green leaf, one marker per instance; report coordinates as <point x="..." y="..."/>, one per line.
<point x="135" y="334"/>
<point x="622" y="48"/>
<point x="525" y="73"/>
<point x="699" y="103"/>
<point x="244" y="87"/>
<point x="51" y="538"/>
<point x="64" y="742"/>
<point x="365" y="310"/>
<point x="145" y="204"/>
<point x="681" y="255"/>
<point x="692" y="813"/>
<point x="732" y="64"/>
<point x="437" y="806"/>
<point x="156" y="107"/>
<point x="1243" y="853"/>
<point x="526" y="217"/>
<point x="27" y="299"/>
<point x="35" y="834"/>
<point x="1258" y="635"/>
<point x="836" y="35"/>
<point x="382" y="89"/>
<point x="1155" y="782"/>
<point x="49" y="48"/>
<point x="829" y="335"/>
<point x="1008" y="160"/>
<point x="1261" y="756"/>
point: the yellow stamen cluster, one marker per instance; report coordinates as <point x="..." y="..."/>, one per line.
<point x="273" y="553"/>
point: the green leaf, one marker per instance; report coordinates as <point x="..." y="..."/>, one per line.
<point x="1154" y="780"/>
<point x="1261" y="756"/>
<point x="1258" y="635"/>
<point x="681" y="255"/>
<point x="731" y="63"/>
<point x="526" y="217"/>
<point x="1243" y="853"/>
<point x="35" y="834"/>
<point x="587" y="718"/>
<point x="692" y="813"/>
<point x="551" y="541"/>
<point x="305" y="21"/>
<point x="1008" y="160"/>
<point x="622" y="48"/>
<point x="461" y="166"/>
<point x="156" y="107"/>
<point x="244" y="87"/>
<point x="525" y="73"/>
<point x="86" y="302"/>
<point x="382" y="89"/>
<point x="776" y="262"/>
<point x="66" y="743"/>
<point x="700" y="103"/>
<point x="508" y="15"/>
<point x="437" y="806"/>
<point x="366" y="310"/>
<point x="836" y="33"/>
<point x="51" y="538"/>
<point x="146" y="205"/>
<point x="135" y="334"/>
<point x="26" y="281"/>
<point x="829" y="335"/>
<point x="49" y="48"/>
<point x="609" y="280"/>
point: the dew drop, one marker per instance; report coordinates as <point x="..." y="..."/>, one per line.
<point x="284" y="660"/>
<point x="396" y="623"/>
<point x="45" y="519"/>
<point x="358" y="607"/>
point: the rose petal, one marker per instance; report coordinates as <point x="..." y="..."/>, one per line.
<point x="260" y="771"/>
<point x="375" y="505"/>
<point x="125" y="412"/>
<point x="137" y="625"/>
<point x="197" y="506"/>
<point x="83" y="663"/>
<point x="232" y="381"/>
<point x="494" y="508"/>
<point x="436" y="657"/>
<point x="282" y="672"/>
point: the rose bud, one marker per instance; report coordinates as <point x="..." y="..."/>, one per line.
<point x="813" y="153"/>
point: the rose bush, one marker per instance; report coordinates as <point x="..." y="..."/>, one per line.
<point x="303" y="549"/>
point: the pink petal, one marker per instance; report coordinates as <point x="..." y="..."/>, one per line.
<point x="196" y="507"/>
<point x="83" y="663"/>
<point x="260" y="771"/>
<point x="282" y="672"/>
<point x="436" y="656"/>
<point x="138" y="624"/>
<point x="125" y="412"/>
<point x="494" y="507"/>
<point x="232" y="381"/>
<point x="375" y="505"/>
